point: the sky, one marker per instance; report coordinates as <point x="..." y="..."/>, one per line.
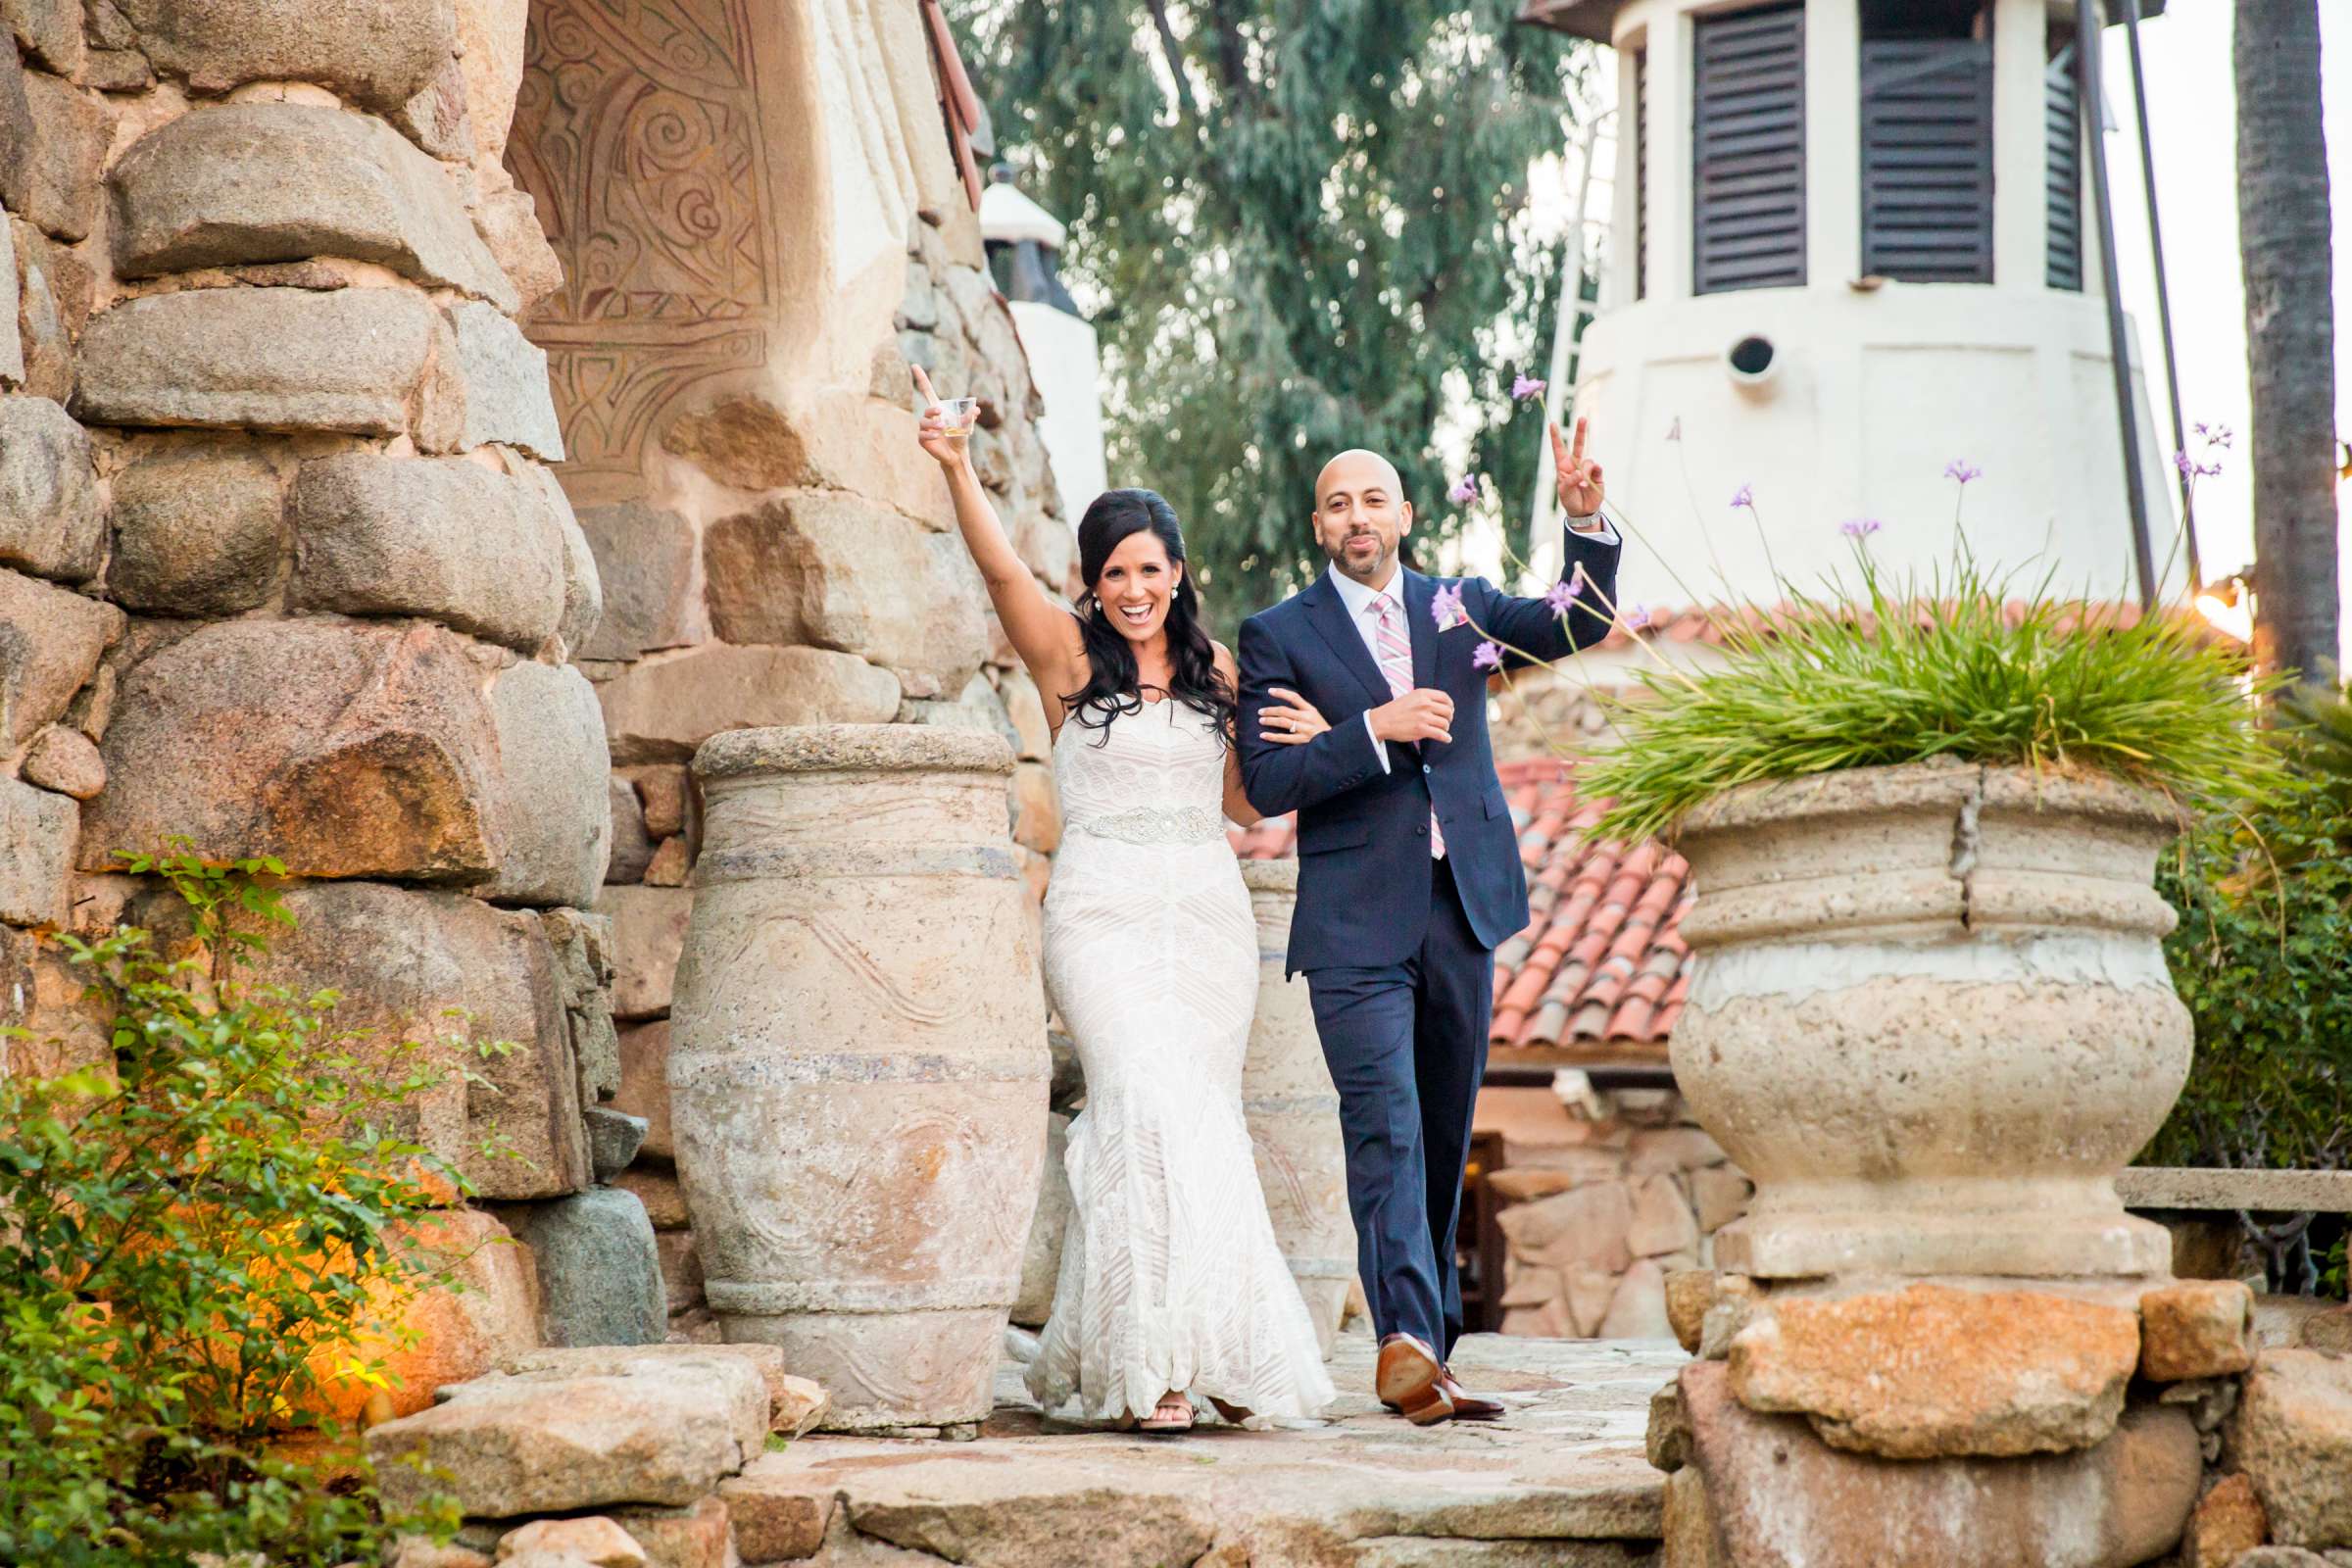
<point x="2193" y="128"/>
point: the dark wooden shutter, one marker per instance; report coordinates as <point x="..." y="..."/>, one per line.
<point x="1748" y="150"/>
<point x="1640" y="174"/>
<point x="1926" y="159"/>
<point x="2062" y="121"/>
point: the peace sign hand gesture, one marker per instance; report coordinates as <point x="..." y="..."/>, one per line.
<point x="1579" y="476"/>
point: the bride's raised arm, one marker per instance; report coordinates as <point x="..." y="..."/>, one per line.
<point x="1041" y="632"/>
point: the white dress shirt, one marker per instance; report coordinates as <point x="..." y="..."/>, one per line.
<point x="1363" y="609"/>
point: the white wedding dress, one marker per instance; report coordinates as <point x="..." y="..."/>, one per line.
<point x="1170" y="1275"/>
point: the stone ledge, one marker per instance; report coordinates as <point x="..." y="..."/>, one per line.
<point x="854" y="748"/>
<point x="2326" y="1191"/>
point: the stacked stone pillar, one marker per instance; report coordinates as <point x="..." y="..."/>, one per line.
<point x="284" y="571"/>
<point x="752" y="254"/>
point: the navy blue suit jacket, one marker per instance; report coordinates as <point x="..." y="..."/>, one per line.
<point x="1364" y="874"/>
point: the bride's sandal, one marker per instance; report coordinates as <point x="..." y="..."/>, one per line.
<point x="1231" y="1413"/>
<point x="1173" y="1414"/>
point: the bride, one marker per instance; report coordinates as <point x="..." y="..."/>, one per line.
<point x="1172" y="1288"/>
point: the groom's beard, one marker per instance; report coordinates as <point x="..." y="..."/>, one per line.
<point x="1377" y="566"/>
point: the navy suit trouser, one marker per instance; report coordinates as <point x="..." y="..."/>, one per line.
<point x="1407" y="1044"/>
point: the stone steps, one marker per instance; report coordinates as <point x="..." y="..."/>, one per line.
<point x="1561" y="1481"/>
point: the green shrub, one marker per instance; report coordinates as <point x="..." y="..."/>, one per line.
<point x="2263" y="958"/>
<point x="196" y="1234"/>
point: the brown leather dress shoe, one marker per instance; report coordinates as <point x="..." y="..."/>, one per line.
<point x="1411" y="1381"/>
<point x="1467" y="1407"/>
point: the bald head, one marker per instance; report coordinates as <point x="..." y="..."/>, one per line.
<point x="1361" y="514"/>
<point x="1354" y="468"/>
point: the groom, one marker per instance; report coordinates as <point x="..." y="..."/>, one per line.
<point x="1408" y="868"/>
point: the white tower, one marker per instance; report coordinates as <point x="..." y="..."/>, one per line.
<point x="1853" y="242"/>
<point x="1022" y="240"/>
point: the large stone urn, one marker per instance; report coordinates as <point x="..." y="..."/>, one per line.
<point x="1930" y="1017"/>
<point x="857" y="1069"/>
<point x="1294" y="1112"/>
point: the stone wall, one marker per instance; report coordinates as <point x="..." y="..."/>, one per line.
<point x="282" y="566"/>
<point x="750" y="260"/>
<point x="1602" y="1198"/>
<point x="308" y="551"/>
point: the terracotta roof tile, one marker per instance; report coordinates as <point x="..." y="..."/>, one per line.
<point x="1601" y="967"/>
<point x="1631" y="1019"/>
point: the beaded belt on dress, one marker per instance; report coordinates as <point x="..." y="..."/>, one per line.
<point x="1156" y="824"/>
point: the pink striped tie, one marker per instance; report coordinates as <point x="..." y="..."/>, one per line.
<point x="1396" y="663"/>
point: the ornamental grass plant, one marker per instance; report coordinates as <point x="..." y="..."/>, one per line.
<point x="1962" y="669"/>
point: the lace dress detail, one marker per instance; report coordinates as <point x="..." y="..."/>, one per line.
<point x="1159" y="824"/>
<point x="1170" y="1274"/>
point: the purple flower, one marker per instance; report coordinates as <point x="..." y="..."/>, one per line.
<point x="2191" y="469"/>
<point x="1446" y="606"/>
<point x="1674" y="431"/>
<point x="1963" y="471"/>
<point x="1523" y="387"/>
<point x="1464" y="491"/>
<point x="2214" y="434"/>
<point x="1745" y="496"/>
<point x="1560" y="596"/>
<point x="1634" y="618"/>
<point x="1489" y="655"/>
<point x="1859" y="528"/>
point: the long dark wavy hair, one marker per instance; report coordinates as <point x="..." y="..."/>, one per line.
<point x="1112" y="686"/>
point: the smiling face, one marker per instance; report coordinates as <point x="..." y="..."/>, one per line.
<point x="1138" y="583"/>
<point x="1360" y="515"/>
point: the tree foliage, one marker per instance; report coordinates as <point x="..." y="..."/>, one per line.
<point x="1308" y="228"/>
